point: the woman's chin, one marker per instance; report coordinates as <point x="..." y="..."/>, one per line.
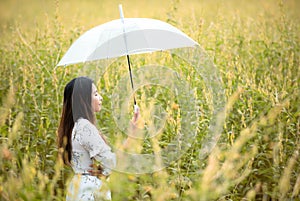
<point x="98" y="109"/>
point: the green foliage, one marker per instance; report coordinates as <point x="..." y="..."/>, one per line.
<point x="257" y="156"/>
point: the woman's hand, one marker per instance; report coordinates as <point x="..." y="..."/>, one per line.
<point x="96" y="170"/>
<point x="135" y="121"/>
<point x="136" y="114"/>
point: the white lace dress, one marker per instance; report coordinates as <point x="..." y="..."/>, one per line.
<point x="87" y="144"/>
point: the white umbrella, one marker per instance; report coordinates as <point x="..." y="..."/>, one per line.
<point x="124" y="37"/>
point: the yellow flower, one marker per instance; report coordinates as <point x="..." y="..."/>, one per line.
<point x="175" y="106"/>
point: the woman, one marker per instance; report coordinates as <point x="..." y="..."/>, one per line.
<point x="80" y="142"/>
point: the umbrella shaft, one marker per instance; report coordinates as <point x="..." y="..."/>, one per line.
<point x="130" y="74"/>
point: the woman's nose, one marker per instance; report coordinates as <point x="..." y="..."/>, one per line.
<point x="100" y="98"/>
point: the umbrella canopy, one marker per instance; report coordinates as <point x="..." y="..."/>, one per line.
<point x="125" y="36"/>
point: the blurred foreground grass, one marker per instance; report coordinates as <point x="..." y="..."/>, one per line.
<point x="254" y="44"/>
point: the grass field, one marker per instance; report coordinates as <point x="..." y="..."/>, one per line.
<point x="254" y="45"/>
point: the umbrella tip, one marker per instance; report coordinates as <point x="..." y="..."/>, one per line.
<point x="121" y="12"/>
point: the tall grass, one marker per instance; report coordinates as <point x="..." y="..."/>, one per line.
<point x="255" y="45"/>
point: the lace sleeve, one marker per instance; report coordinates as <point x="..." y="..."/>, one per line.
<point x="97" y="148"/>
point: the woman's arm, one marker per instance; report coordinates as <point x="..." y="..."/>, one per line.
<point x="97" y="148"/>
<point x="133" y="127"/>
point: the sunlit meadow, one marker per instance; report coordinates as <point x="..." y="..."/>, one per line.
<point x="254" y="45"/>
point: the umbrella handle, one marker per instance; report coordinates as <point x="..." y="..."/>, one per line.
<point x="136" y="108"/>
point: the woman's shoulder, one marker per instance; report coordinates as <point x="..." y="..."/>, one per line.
<point x="81" y="123"/>
<point x="84" y="126"/>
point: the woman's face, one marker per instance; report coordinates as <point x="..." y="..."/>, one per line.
<point x="96" y="99"/>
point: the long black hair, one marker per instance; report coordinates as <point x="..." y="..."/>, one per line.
<point x="77" y="104"/>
